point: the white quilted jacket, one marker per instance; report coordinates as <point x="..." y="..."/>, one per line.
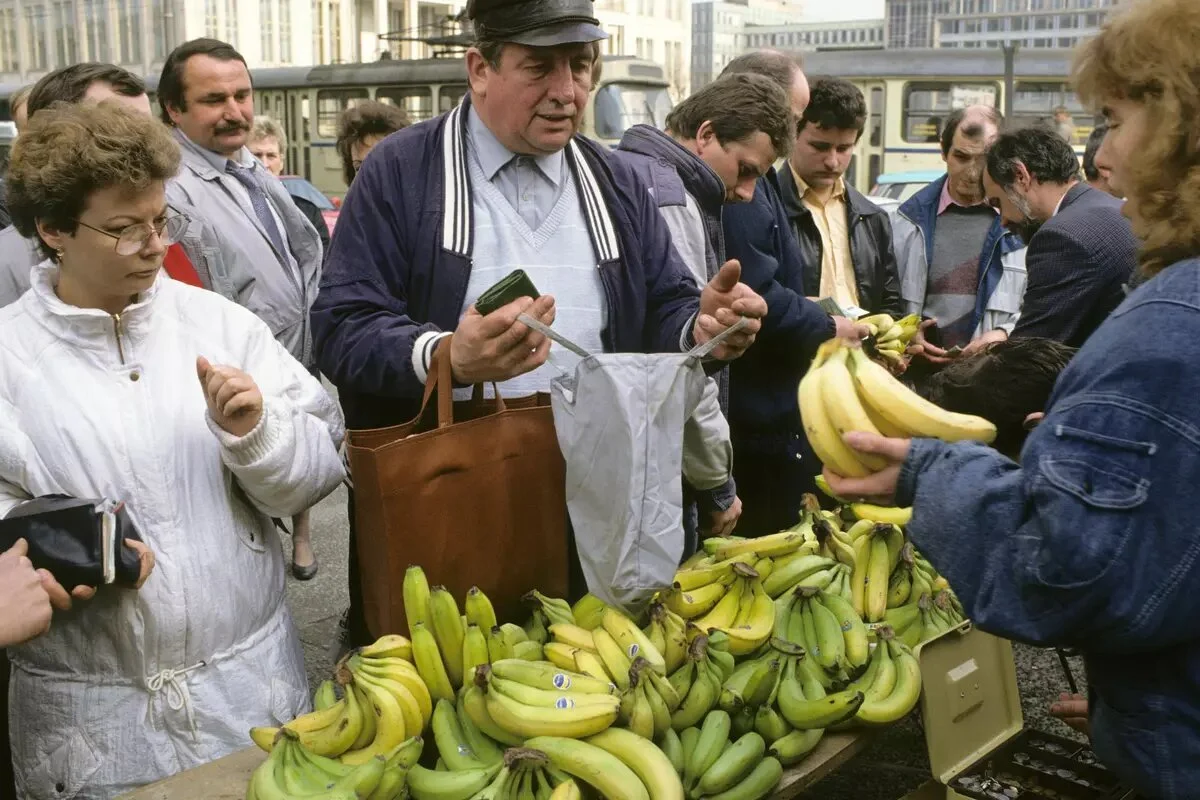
<point x="134" y="686"/>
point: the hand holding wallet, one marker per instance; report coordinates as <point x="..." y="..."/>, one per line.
<point x="512" y="286"/>
<point x="79" y="542"/>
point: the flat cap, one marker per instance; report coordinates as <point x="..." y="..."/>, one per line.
<point x="535" y="23"/>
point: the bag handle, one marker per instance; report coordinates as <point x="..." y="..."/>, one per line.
<point x="441" y="378"/>
<point x="699" y="351"/>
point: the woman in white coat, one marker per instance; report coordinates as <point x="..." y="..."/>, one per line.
<point x="120" y="383"/>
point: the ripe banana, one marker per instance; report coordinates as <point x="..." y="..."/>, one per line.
<point x="615" y="661"/>
<point x="389" y="725"/>
<point x="908" y="411"/>
<point x="696" y="602"/>
<point x="549" y="677"/>
<point x="475" y="650"/>
<point x="573" y="635"/>
<point x="402" y="672"/>
<point x="904" y="694"/>
<point x="843" y="407"/>
<point x="650" y="764"/>
<point x="874" y="513"/>
<point x="878" y="571"/>
<point x="409" y="708"/>
<point x="567" y="790"/>
<point x="575" y="722"/>
<point x="777" y="544"/>
<point x="557" y="653"/>
<point x="630" y="637"/>
<point x="700" y="698"/>
<point x="448" y="632"/>
<point x="854" y="632"/>
<point x="393" y="645"/>
<point x="429" y="663"/>
<point x="474" y="702"/>
<point x="592" y="764"/>
<point x="822" y="436"/>
<point x="416" y="596"/>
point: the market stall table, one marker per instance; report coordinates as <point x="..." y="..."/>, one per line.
<point x="226" y="778"/>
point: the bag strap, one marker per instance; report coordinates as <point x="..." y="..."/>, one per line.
<point x="441" y="380"/>
<point x="700" y="351"/>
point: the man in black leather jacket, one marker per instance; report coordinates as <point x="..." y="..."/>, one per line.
<point x="846" y="239"/>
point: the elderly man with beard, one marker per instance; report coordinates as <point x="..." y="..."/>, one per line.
<point x="1082" y="250"/>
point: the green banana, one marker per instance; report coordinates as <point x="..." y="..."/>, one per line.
<point x="796" y="745"/>
<point x="713" y="739"/>
<point x="428" y="784"/>
<point x="416" y="596"/>
<point x="734" y="764"/>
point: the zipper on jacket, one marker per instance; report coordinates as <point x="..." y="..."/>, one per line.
<point x="117" y="331"/>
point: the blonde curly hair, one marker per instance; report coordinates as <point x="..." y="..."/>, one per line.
<point x="68" y="152"/>
<point x="1147" y="54"/>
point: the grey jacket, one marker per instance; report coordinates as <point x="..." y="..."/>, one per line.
<point x="282" y="298"/>
<point x="203" y="244"/>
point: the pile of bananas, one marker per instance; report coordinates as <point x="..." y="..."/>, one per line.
<point x="384" y="704"/>
<point x="920" y="603"/>
<point x="845" y="391"/>
<point x="892" y="336"/>
<point x="292" y="770"/>
<point x="724" y="592"/>
<point x="698" y="682"/>
<point x="712" y="765"/>
<point x="538" y="698"/>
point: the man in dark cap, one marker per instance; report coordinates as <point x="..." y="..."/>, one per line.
<point x="443" y="209"/>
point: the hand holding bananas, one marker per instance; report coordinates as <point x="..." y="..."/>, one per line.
<point x="892" y="336"/>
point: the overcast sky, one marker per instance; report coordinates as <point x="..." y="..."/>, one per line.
<point x="829" y="10"/>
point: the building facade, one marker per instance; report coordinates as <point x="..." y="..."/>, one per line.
<point x="992" y="23"/>
<point x="657" y="30"/>
<point x="802" y="36"/>
<point x="719" y="30"/>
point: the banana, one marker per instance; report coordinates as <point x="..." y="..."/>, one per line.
<point x="671" y="746"/>
<point x="882" y="322"/>
<point x="899" y="589"/>
<point x="338" y="734"/>
<point x="429" y="663"/>
<point x="317" y="720"/>
<point x="904" y="695"/>
<point x="325" y="696"/>
<point x="688" y="739"/>
<point x="761" y="781"/>
<point x="878" y="570"/>
<point x="790" y="749"/>
<point x="573" y="635"/>
<point x="831" y="644"/>
<point x="736" y="687"/>
<point x="716" y="650"/>
<point x="905" y="409"/>
<point x="615" y="661"/>
<point x="528" y="651"/>
<point x="549" y="677"/>
<point x="513" y="634"/>
<point x="393" y="645"/>
<point x="874" y="513"/>
<point x="901" y="618"/>
<point x="416" y="596"/>
<point x="712" y="741"/>
<point x="681" y="680"/>
<point x="696" y="577"/>
<point x="826" y="442"/>
<point x="658" y="704"/>
<point x="764" y="682"/>
<point x="447" y="627"/>
<point x="655" y="769"/>
<point x="264" y="737"/>
<point x="747" y="638"/>
<point x="630" y="637"/>
<point x="427" y="784"/>
<point x="389" y="725"/>
<point x="577" y="722"/>
<point x="770" y="724"/>
<point x="450" y="739"/>
<point x="498" y="646"/>
<point x="700" y="698"/>
<point x="475" y="650"/>
<point x="527" y="695"/>
<point x="567" y="790"/>
<point x="640" y="717"/>
<point x="696" y="602"/>
<point x="675" y="643"/>
<point x="587" y="611"/>
<point x="885" y="675"/>
<point x="557" y="653"/>
<point x="402" y="672"/>
<point x="788" y="575"/>
<point x="843" y="407"/>
<point x="734" y="764"/>
<point x="777" y="544"/>
<point x="484" y="748"/>
<point x="663" y="688"/>
<point x="813" y="709"/>
<point x="535" y="628"/>
<point x="367" y="731"/>
<point x="475" y="704"/>
<point x="854" y="632"/>
<point x="557" y="610"/>
<point x="594" y="765"/>
<point x="823" y="485"/>
<point x="409" y="708"/>
<point x="588" y="663"/>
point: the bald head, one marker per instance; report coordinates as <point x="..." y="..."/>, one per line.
<point x="786" y="70"/>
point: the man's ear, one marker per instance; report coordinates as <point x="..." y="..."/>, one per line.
<point x="1033" y="420"/>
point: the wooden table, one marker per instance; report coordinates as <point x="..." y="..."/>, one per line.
<point x="226" y="778"/>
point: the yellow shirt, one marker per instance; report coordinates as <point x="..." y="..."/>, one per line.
<point x="837" y="266"/>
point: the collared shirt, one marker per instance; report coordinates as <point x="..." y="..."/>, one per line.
<point x="945" y="201"/>
<point x="837" y="263"/>
<point x="531" y="184"/>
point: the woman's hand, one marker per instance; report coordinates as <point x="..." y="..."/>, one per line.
<point x="145" y="560"/>
<point x="1072" y="709"/>
<point x="234" y="400"/>
<point x="25" y="608"/>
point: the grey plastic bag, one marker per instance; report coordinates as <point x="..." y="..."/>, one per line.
<point x="623" y="422"/>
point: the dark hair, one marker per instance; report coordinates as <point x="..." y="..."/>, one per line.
<point x="171" y="91"/>
<point x="1090" y="171"/>
<point x="70" y="84"/>
<point x="972" y="130"/>
<point x="369" y="118"/>
<point x="1045" y="154"/>
<point x="1004" y="384"/>
<point x="491" y="51"/>
<point x="69" y="152"/>
<point x="738" y="106"/>
<point x="779" y="67"/>
<point x="836" y="104"/>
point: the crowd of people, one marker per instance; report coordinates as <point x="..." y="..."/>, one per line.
<point x="169" y="308"/>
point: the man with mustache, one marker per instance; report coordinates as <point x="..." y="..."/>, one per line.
<point x="205" y="94"/>
<point x="1082" y="250"/>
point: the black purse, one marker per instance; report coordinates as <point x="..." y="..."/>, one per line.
<point x="80" y="542"/>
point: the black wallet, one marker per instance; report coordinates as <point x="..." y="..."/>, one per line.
<point x="80" y="542"/>
<point x="514" y="285"/>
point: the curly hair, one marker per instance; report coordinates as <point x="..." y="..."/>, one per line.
<point x="1147" y="54"/>
<point x="267" y="128"/>
<point x="68" y="152"/>
<point x="357" y="123"/>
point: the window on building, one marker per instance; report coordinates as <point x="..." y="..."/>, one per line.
<point x="162" y="36"/>
<point x="35" y="24"/>
<point x="95" y="22"/>
<point x="9" y="60"/>
<point x="64" y="32"/>
<point x="211" y="23"/>
<point x="926" y="104"/>
<point x="450" y="96"/>
<point x="1067" y="42"/>
<point x="417" y="101"/>
<point x="1020" y="23"/>
<point x="335" y="31"/>
<point x="318" y="41"/>
<point x="231" y="22"/>
<point x="1043" y="23"/>
<point x="875" y="123"/>
<point x="1034" y="104"/>
<point x="972" y="26"/>
<point x="285" y="31"/>
<point x="330" y="105"/>
<point x="266" y="20"/>
<point x="129" y="26"/>
<point x="994" y="25"/>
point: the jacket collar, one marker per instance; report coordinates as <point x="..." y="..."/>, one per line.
<point x="856" y="203"/>
<point x="88" y="327"/>
<point x="1074" y="193"/>
<point x="494" y="156"/>
<point x="458" y="208"/>
<point x="206" y="163"/>
<point x="699" y="179"/>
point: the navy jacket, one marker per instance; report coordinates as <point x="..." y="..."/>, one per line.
<point x="1078" y="265"/>
<point x="401" y="257"/>
<point x="1093" y="541"/>
<point x="763" y="413"/>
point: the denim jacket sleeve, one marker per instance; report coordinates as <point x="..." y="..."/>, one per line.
<point x="1092" y="540"/>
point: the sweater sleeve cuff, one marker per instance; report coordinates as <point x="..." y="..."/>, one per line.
<point x="257" y="444"/>
<point x="422" y="353"/>
<point x="687" y="339"/>
<point x="920" y="453"/>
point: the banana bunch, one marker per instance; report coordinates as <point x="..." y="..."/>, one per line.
<point x="891" y="683"/>
<point x="711" y="765"/>
<point x="292" y="770"/>
<point x="517" y="774"/>
<point x="925" y="618"/>
<point x="616" y="763"/>
<point x="698" y="682"/>
<point x="649" y="702"/>
<point x="877" y="548"/>
<point x="538" y="698"/>
<point x="606" y="653"/>
<point x="744" y="611"/>
<point x="845" y="391"/>
<point x="892" y="336"/>
<point x="722" y="549"/>
<point x="667" y="631"/>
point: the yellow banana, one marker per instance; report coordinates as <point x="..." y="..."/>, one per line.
<point x="429" y="663"/>
<point x="416" y="596"/>
<point x="577" y="722"/>
<point x="650" y="764"/>
<point x="694" y="578"/>
<point x="696" y="602"/>
<point x="557" y="653"/>
<point x="567" y="790"/>
<point x="474" y="701"/>
<point x="403" y="672"/>
<point x="479" y="609"/>
<point x="878" y="571"/>
<point x="389" y="725"/>
<point x="909" y="411"/>
<point x="587" y="611"/>
<point x="905" y="692"/>
<point x="874" y="513"/>
<point x="616" y="663"/>
<point x="631" y="639"/>
<point x="528" y="651"/>
<point x="573" y="635"/>
<point x="777" y="544"/>
<point x="725" y="612"/>
<point x="392" y="645"/>
<point x="475" y="649"/>
<point x="749" y="637"/>
<point x="826" y="442"/>
<point x="527" y="695"/>
<point x="831" y="644"/>
<point x="594" y="765"/>
<point x="589" y="663"/>
<point x="550" y="677"/>
<point x="409" y="708"/>
<point x="843" y="406"/>
<point x="854" y="632"/>
<point x="447" y="628"/>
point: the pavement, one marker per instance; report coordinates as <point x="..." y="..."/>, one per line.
<point x="894" y="764"/>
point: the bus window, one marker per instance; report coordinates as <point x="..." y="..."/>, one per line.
<point x="620" y="106"/>
<point x="415" y="101"/>
<point x="450" y="96"/>
<point x="1034" y="104"/>
<point x="330" y="105"/>
<point x="926" y="106"/>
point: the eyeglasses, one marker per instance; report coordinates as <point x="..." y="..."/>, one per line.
<point x="131" y="240"/>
